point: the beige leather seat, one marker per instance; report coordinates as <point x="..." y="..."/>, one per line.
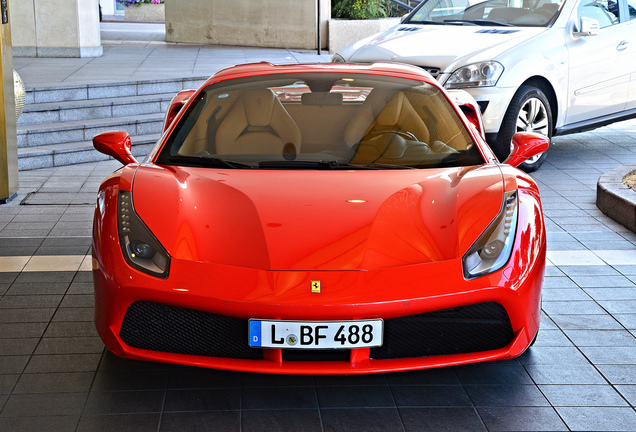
<point x="257" y="124"/>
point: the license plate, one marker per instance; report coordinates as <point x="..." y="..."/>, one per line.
<point x="315" y="334"/>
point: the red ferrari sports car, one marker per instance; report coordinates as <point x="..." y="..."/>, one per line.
<point x="319" y="219"/>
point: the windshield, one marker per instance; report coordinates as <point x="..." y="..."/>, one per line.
<point x="320" y="121"/>
<point x="530" y="13"/>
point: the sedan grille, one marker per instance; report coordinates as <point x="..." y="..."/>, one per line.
<point x="434" y="71"/>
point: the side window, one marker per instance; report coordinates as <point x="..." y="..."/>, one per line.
<point x="603" y="11"/>
<point x="631" y="9"/>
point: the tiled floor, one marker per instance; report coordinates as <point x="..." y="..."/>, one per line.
<point x="580" y="375"/>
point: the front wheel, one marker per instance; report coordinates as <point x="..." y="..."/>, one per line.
<point x="529" y="111"/>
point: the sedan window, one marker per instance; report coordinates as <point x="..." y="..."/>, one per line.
<point x="603" y="11"/>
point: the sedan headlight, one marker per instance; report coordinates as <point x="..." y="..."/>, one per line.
<point x="337" y="58"/>
<point x="492" y="249"/>
<point x="140" y="247"/>
<point x="475" y="75"/>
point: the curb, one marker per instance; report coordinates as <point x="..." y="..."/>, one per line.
<point x="615" y="199"/>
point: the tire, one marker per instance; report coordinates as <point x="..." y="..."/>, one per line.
<point x="529" y="111"/>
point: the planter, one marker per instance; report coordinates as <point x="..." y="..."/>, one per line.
<point x="145" y="12"/>
<point x="343" y="33"/>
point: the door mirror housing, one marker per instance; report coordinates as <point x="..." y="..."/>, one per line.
<point x="525" y="145"/>
<point x="116" y="144"/>
<point x="588" y="27"/>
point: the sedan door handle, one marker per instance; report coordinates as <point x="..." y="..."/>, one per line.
<point x="622" y="46"/>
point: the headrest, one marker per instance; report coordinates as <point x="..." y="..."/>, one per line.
<point x="390" y="114"/>
<point x="258" y="105"/>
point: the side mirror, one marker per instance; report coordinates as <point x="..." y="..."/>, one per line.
<point x="116" y="144"/>
<point x="588" y="27"/>
<point x="403" y="18"/>
<point x="525" y="145"/>
<point x="175" y="106"/>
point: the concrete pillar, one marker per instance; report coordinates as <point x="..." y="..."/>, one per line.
<point x="56" y="28"/>
<point x="263" y="23"/>
<point x="8" y="135"/>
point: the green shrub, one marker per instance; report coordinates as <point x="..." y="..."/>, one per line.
<point x="363" y="9"/>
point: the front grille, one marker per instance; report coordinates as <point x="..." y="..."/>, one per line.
<point x="171" y="329"/>
<point x="434" y="71"/>
<point x="466" y="329"/>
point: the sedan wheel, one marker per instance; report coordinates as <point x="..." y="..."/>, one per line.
<point x="529" y="111"/>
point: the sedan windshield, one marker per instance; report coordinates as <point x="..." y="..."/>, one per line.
<point x="321" y="121"/>
<point x="507" y="13"/>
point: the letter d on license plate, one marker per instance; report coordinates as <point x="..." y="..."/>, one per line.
<point x="315" y="334"/>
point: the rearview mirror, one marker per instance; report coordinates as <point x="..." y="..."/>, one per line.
<point x="116" y="144"/>
<point x="588" y="27"/>
<point x="525" y="145"/>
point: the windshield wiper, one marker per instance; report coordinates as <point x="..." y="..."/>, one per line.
<point x="479" y="22"/>
<point x="327" y="165"/>
<point x="424" y="22"/>
<point x="208" y="162"/>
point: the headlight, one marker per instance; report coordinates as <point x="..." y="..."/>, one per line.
<point x="492" y="249"/>
<point x="140" y="247"/>
<point x="475" y="75"/>
<point x="337" y="58"/>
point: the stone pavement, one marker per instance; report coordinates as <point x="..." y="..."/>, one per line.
<point x="580" y="375"/>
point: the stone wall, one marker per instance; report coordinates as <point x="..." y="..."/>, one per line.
<point x="55" y="28"/>
<point x="263" y="23"/>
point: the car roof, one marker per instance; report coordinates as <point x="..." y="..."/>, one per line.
<point x="397" y="70"/>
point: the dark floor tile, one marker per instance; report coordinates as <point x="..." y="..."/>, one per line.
<point x="38" y="288"/>
<point x="74" y="345"/>
<point x="564" y="374"/>
<point x="124" y="402"/>
<point x="610" y="355"/>
<point x="203" y="400"/>
<point x="521" y="419"/>
<point x="351" y="380"/>
<point x="8" y="277"/>
<point x="598" y="418"/>
<point x="493" y="373"/>
<point x="278" y="398"/>
<point x="22" y="330"/>
<point x="441" y="420"/>
<point x="78" y="300"/>
<point x="62" y="250"/>
<point x="75" y="314"/>
<point x="355" y="396"/>
<point x="81" y="288"/>
<point x="45" y="277"/>
<point x="443" y="396"/>
<point x="63" y="363"/>
<point x="39" y="424"/>
<point x="18" y="250"/>
<point x="3" y="288"/>
<point x="437" y="376"/>
<point x="119" y="423"/>
<point x="552" y="355"/>
<point x="217" y="421"/>
<point x="130" y="380"/>
<point x="12" y="347"/>
<point x="601" y="338"/>
<point x="13" y="364"/>
<point x="361" y="420"/>
<point x="44" y="404"/>
<point x="73" y="382"/>
<point x="29" y="301"/>
<point x="26" y="315"/>
<point x="582" y="395"/>
<point x="281" y="421"/>
<point x="506" y="395"/>
<point x="628" y="392"/>
<point x="7" y="382"/>
<point x="272" y="380"/>
<point x="619" y="373"/>
<point x="71" y="329"/>
<point x="591" y="322"/>
<point x="192" y="378"/>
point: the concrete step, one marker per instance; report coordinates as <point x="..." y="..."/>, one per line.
<point x="84" y="130"/>
<point x="90" y="109"/>
<point x="111" y="90"/>
<point x="77" y="152"/>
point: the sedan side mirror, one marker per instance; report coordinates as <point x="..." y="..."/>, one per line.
<point x="525" y="145"/>
<point x="116" y="144"/>
<point x="588" y="27"/>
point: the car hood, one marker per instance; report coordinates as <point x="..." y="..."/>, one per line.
<point x="317" y="220"/>
<point x="440" y="46"/>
